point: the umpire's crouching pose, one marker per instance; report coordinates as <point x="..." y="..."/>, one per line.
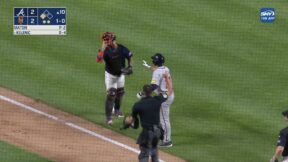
<point x="282" y="143"/>
<point x="148" y="109"/>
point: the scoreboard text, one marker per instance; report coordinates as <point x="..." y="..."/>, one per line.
<point x="39" y="21"/>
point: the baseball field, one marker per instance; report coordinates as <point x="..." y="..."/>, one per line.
<point x="230" y="76"/>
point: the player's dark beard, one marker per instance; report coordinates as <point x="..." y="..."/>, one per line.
<point x="112" y="46"/>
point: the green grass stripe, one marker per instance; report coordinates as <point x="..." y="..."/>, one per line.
<point x="10" y="153"/>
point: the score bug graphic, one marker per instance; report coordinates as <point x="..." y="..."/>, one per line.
<point x="39" y="21"/>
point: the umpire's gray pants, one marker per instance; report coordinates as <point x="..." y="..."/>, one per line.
<point x="145" y="152"/>
<point x="165" y="119"/>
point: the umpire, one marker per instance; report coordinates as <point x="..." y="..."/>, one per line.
<point x="282" y="143"/>
<point x="148" y="109"/>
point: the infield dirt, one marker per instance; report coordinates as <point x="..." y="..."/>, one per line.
<point x="58" y="142"/>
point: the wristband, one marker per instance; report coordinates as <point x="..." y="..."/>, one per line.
<point x="99" y="56"/>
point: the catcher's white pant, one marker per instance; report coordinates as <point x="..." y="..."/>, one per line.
<point x="285" y="159"/>
<point x="112" y="81"/>
<point x="165" y="119"/>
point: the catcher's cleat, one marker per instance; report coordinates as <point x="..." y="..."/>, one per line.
<point x="118" y="114"/>
<point x="166" y="144"/>
<point x="109" y="122"/>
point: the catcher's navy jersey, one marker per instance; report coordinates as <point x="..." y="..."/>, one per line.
<point x="115" y="59"/>
<point x="283" y="140"/>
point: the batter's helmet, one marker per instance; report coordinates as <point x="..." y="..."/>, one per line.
<point x="285" y="113"/>
<point x="158" y="59"/>
<point x="108" y="36"/>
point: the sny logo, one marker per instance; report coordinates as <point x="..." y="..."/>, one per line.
<point x="267" y="15"/>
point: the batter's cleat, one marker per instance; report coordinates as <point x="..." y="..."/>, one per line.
<point x="109" y="122"/>
<point x="166" y="144"/>
<point x="119" y="114"/>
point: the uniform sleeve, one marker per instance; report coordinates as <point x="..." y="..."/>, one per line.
<point x="126" y="52"/>
<point x="155" y="78"/>
<point x="160" y="98"/>
<point x="134" y="111"/>
<point x="282" y="138"/>
<point x="135" y="116"/>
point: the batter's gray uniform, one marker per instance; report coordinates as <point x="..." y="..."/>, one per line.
<point x="158" y="79"/>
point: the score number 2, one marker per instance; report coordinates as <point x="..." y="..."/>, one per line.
<point x="32" y="12"/>
<point x="32" y="21"/>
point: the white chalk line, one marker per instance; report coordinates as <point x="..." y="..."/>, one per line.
<point x="72" y="125"/>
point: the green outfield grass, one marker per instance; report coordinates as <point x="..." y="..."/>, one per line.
<point x="229" y="69"/>
<point x="9" y="153"/>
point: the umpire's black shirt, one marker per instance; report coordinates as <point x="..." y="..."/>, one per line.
<point x="283" y="140"/>
<point x="115" y="59"/>
<point x="148" y="109"/>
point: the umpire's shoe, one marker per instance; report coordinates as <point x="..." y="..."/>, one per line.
<point x="166" y="144"/>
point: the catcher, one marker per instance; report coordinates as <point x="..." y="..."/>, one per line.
<point x="282" y="143"/>
<point x="114" y="56"/>
<point x="148" y="109"/>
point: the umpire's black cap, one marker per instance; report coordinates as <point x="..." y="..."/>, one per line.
<point x="285" y="113"/>
<point x="147" y="89"/>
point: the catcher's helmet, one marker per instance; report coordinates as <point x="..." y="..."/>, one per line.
<point x="158" y="59"/>
<point x="108" y="36"/>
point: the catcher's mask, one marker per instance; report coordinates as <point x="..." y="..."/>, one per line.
<point x="108" y="36"/>
<point x="158" y="59"/>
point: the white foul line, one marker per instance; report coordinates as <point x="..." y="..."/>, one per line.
<point x="72" y="125"/>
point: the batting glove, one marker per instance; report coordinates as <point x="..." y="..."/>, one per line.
<point x="146" y="65"/>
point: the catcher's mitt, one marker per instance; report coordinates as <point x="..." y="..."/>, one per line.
<point x="127" y="122"/>
<point x="127" y="71"/>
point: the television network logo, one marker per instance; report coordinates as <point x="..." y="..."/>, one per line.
<point x="267" y="15"/>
